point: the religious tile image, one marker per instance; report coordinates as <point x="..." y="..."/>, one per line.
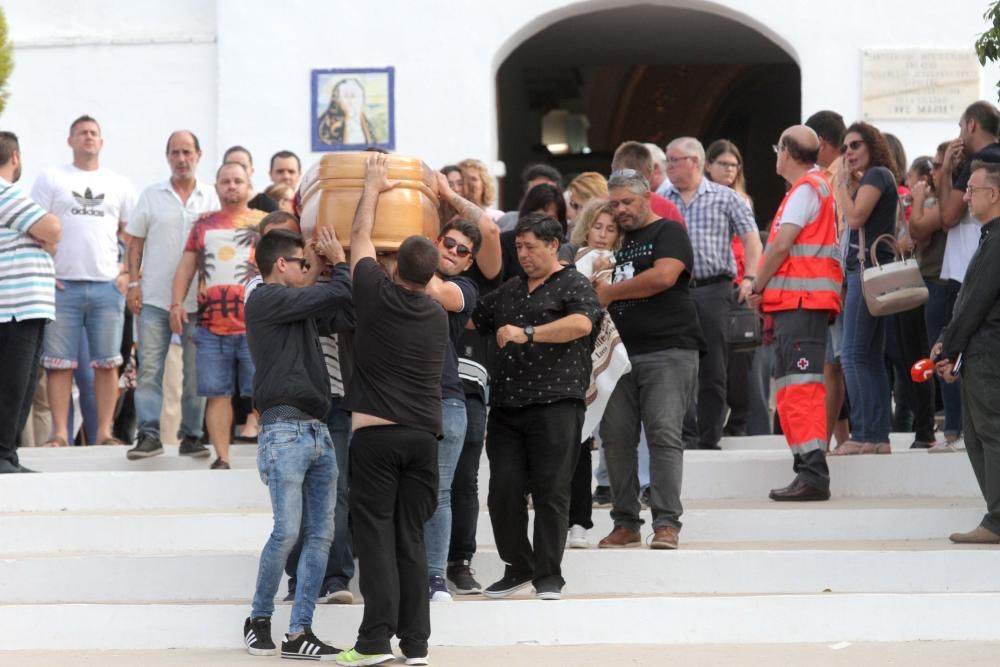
<point x="352" y="109"/>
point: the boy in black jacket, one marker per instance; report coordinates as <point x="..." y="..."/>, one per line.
<point x="295" y="454"/>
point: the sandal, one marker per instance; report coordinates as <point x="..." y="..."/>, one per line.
<point x="876" y="448"/>
<point x="112" y="441"/>
<point x="848" y="448"/>
<point x="56" y="441"/>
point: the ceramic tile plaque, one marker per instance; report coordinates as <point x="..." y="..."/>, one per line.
<point x="921" y="84"/>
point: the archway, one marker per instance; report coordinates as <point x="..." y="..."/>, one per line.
<point x="648" y="73"/>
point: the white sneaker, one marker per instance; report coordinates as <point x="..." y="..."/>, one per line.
<point x="942" y="447"/>
<point x="578" y="538"/>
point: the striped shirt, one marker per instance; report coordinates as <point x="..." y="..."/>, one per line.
<point x="713" y="216"/>
<point x="27" y="274"/>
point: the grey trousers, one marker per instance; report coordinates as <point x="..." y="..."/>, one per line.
<point x="654" y="395"/>
<point x="981" y="425"/>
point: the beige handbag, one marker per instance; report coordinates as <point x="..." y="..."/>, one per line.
<point x="890" y="288"/>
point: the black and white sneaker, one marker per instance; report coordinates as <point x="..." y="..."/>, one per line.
<point x="460" y="576"/>
<point x="148" y="445"/>
<point x="307" y="647"/>
<point x="257" y="636"/>
<point x="508" y="585"/>
<point x="191" y="446"/>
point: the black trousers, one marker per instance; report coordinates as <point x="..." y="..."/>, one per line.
<point x="394" y="480"/>
<point x="981" y="427"/>
<point x="705" y="416"/>
<point x="533" y="450"/>
<point x="20" y="353"/>
<point x="738" y="391"/>
<point x="581" y="499"/>
<point x="910" y="331"/>
<point x="465" y="484"/>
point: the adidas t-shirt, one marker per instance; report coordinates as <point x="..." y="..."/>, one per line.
<point x="89" y="204"/>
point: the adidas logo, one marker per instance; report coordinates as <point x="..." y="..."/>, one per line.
<point x="89" y="202"/>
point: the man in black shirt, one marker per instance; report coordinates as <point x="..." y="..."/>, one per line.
<point x="974" y="335"/>
<point x="543" y="325"/>
<point x="656" y="317"/>
<point x="395" y="399"/>
<point x="295" y="455"/>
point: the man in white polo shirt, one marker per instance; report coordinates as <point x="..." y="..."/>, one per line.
<point x="162" y="220"/>
<point x="90" y="201"/>
<point x="28" y="237"/>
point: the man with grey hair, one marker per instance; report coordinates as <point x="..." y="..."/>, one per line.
<point x="713" y="213"/>
<point x="638" y="157"/>
<point x="658" y="182"/>
<point x="650" y="303"/>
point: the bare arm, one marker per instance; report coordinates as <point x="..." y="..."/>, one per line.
<point x="364" y="217"/>
<point x="662" y="276"/>
<point x="47" y="231"/>
<point x="133" y="263"/>
<point x="447" y="294"/>
<point x="488" y="259"/>
<point x="924" y="221"/>
<point x="754" y="249"/>
<point x="563" y="330"/>
<point x="182" y="282"/>
<point x="951" y="203"/>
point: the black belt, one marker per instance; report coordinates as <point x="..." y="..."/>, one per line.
<point x="704" y="282"/>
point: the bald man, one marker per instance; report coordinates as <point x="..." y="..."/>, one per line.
<point x="798" y="284"/>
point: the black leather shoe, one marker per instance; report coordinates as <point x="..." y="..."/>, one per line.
<point x="799" y="491"/>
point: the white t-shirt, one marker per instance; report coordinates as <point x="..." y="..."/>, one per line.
<point x="89" y="204"/>
<point x="802" y="207"/>
<point x="961" y="244"/>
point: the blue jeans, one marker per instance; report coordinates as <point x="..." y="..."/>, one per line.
<point x="297" y="462"/>
<point x="937" y="313"/>
<point x="154" y="343"/>
<point x="863" y="360"/>
<point x="221" y="360"/>
<point x="340" y="564"/>
<point x="465" y="484"/>
<point x="437" y="530"/>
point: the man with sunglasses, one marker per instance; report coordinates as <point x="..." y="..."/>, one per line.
<point x="457" y="245"/>
<point x="295" y="457"/>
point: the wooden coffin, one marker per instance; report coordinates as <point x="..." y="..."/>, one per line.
<point x="330" y="191"/>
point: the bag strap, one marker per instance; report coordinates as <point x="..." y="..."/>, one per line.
<point x="861" y="248"/>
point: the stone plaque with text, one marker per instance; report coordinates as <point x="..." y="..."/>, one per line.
<point x="918" y="83"/>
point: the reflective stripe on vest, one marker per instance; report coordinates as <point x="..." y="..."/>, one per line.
<point x="810" y="277"/>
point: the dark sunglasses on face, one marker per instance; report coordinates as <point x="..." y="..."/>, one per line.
<point x="301" y="261"/>
<point x="461" y="249"/>
<point x="854" y="145"/>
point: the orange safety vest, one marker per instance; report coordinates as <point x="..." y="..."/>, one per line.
<point x="811" y="276"/>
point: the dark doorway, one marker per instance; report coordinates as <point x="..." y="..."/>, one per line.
<point x="648" y="73"/>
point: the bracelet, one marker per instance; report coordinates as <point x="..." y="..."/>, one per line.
<point x="172" y="306"/>
<point x="750" y="278"/>
<point x="134" y="283"/>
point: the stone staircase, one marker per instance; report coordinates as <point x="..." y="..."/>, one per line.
<point x="163" y="553"/>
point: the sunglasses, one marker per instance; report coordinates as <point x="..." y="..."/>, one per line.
<point x="854" y="145"/>
<point x="461" y="249"/>
<point x="303" y="264"/>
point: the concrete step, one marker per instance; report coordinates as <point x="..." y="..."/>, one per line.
<point x="728" y="520"/>
<point x="696" y="569"/>
<point x="707" y="475"/>
<point x="666" y="620"/>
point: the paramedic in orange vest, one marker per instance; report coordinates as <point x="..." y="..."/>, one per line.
<point x="798" y="284"/>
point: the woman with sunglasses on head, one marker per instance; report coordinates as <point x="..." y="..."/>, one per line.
<point x="866" y="194"/>
<point x="581" y="190"/>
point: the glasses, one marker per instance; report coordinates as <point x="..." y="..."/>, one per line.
<point x="730" y="165"/>
<point x="303" y="264"/>
<point x="971" y="189"/>
<point x="624" y="173"/>
<point x="854" y="145"/>
<point x="777" y="148"/>
<point x="461" y="249"/>
<point x="675" y="160"/>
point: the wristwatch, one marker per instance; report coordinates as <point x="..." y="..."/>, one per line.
<point x="529" y="331"/>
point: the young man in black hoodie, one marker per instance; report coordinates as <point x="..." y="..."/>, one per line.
<point x="295" y="454"/>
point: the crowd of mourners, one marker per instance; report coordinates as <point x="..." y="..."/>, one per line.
<point x="597" y="317"/>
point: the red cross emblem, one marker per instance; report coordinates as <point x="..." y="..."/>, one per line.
<point x="802" y="363"/>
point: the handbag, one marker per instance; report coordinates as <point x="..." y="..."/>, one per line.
<point x="890" y="288"/>
<point x="743" y="327"/>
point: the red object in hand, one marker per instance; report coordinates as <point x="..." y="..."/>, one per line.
<point x="922" y="371"/>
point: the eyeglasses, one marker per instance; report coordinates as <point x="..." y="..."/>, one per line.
<point x="854" y="145"/>
<point x="776" y="148"/>
<point x="461" y="249"/>
<point x="624" y="173"/>
<point x="971" y="189"/>
<point x="303" y="264"/>
<point x="729" y="165"/>
<point x="675" y="160"/>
